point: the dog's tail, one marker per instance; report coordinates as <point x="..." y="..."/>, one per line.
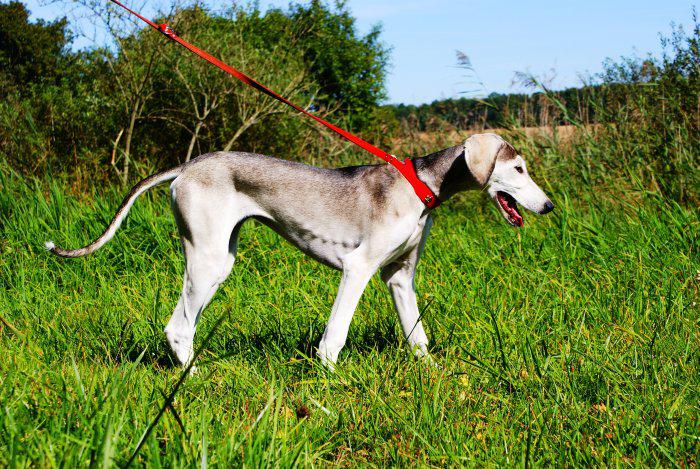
<point x="128" y="201"/>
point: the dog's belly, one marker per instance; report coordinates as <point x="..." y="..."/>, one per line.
<point x="326" y="248"/>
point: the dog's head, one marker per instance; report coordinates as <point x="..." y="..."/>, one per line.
<point x="496" y="166"/>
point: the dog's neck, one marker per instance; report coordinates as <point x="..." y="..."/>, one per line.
<point x="445" y="172"/>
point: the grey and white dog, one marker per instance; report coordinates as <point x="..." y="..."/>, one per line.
<point x="357" y="220"/>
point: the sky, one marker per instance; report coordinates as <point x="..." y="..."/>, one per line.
<point x="559" y="40"/>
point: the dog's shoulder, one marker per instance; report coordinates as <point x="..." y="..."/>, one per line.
<point x="352" y="171"/>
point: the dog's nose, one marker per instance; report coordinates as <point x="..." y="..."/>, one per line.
<point x="548" y="207"/>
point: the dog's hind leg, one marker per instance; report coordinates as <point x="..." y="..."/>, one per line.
<point x="206" y="267"/>
<point x="209" y="242"/>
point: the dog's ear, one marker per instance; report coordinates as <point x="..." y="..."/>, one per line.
<point x="480" y="152"/>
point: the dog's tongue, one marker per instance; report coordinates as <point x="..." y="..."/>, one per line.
<point x="511" y="207"/>
<point x="517" y="218"/>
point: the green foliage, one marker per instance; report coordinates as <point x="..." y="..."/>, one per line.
<point x="146" y="103"/>
<point x="653" y="115"/>
<point x="350" y="68"/>
<point x="30" y="52"/>
<point x="640" y="123"/>
<point x="195" y="101"/>
<point x="497" y="110"/>
<point x="56" y="108"/>
<point x="646" y="128"/>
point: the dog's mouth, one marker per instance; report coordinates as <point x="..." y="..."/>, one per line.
<point x="509" y="207"/>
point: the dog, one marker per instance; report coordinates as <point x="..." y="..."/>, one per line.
<point x="357" y="219"/>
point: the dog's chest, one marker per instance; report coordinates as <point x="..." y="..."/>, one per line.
<point x="407" y="241"/>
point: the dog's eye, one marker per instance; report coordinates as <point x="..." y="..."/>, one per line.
<point x="519" y="169"/>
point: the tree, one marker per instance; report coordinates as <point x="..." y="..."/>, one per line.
<point x="132" y="54"/>
<point x="350" y="68"/>
<point x="136" y="93"/>
<point x="132" y="72"/>
<point x="206" y="104"/>
<point x="30" y="52"/>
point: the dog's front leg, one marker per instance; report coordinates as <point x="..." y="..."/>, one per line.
<point x="399" y="278"/>
<point x="352" y="284"/>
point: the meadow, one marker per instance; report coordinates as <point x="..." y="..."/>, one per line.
<point x="571" y="341"/>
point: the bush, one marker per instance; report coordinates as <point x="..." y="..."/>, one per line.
<point x="145" y="103"/>
<point x="30" y="52"/>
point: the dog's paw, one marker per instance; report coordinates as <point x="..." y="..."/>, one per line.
<point x="328" y="365"/>
<point x="429" y="360"/>
<point x="421" y="353"/>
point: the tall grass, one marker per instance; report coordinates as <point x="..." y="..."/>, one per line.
<point x="571" y="341"/>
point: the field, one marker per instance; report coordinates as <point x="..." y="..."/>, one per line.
<point x="571" y="341"/>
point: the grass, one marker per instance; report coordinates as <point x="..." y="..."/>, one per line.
<point x="571" y="341"/>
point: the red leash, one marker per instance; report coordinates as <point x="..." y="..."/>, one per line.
<point x="405" y="168"/>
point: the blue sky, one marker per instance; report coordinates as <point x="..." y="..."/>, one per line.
<point x="500" y="38"/>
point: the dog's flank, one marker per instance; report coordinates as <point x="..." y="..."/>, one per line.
<point x="123" y="209"/>
<point x="359" y="220"/>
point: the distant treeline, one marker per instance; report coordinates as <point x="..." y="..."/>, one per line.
<point x="510" y="110"/>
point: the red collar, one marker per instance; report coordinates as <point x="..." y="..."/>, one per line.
<point x="427" y="196"/>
